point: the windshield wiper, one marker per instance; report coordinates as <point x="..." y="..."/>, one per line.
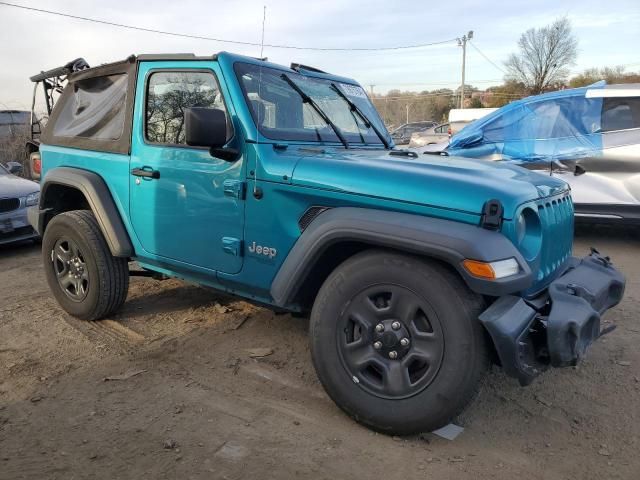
<point x="307" y="99"/>
<point x="356" y="109"/>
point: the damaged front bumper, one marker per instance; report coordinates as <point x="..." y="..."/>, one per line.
<point x="556" y="328"/>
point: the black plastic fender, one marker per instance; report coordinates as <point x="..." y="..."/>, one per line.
<point x="449" y="241"/>
<point x="98" y="196"/>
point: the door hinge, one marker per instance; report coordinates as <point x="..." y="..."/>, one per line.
<point x="232" y="246"/>
<point x="234" y="189"/>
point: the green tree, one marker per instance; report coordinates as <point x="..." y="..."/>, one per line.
<point x="609" y="74"/>
<point x="501" y="95"/>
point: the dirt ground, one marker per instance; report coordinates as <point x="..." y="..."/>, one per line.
<point x="168" y="388"/>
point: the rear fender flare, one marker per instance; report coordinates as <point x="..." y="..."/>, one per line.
<point x="99" y="198"/>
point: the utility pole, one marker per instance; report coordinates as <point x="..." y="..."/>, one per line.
<point x="462" y="42"/>
<point x="408" y="105"/>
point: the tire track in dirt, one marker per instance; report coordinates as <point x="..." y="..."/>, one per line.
<point x="110" y="332"/>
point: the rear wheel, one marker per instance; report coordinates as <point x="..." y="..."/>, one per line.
<point x="397" y="343"/>
<point x="87" y="281"/>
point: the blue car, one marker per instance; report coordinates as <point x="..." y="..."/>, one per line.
<point x="281" y="185"/>
<point x="588" y="137"/>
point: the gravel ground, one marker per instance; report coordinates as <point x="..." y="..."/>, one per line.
<point x="169" y="388"/>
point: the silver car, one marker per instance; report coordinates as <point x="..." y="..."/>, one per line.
<point x="439" y="133"/>
<point x="16" y="194"/>
<point x="589" y="137"/>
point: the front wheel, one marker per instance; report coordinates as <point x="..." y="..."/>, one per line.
<point x="397" y="343"/>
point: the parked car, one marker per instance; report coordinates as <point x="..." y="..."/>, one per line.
<point x="459" y="118"/>
<point x="16" y="194"/>
<point x="281" y="185"/>
<point x="16" y="134"/>
<point x="402" y="134"/>
<point x="588" y="137"/>
<point x="430" y="136"/>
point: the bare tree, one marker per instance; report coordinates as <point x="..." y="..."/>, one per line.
<point x="545" y="53"/>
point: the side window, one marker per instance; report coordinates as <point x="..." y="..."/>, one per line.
<point x="620" y="114"/>
<point x="168" y="94"/>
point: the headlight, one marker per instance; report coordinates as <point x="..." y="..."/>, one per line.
<point x="32" y="199"/>
<point x="521" y="228"/>
<point x="528" y="233"/>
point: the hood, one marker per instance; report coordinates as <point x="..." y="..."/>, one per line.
<point x="452" y="183"/>
<point x="12" y="186"/>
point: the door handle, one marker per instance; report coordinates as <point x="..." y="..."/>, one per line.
<point x="146" y="172"/>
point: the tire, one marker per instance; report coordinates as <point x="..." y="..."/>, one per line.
<point x="87" y="281"/>
<point x="434" y="377"/>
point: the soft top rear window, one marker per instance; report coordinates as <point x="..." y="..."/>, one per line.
<point x="94" y="109"/>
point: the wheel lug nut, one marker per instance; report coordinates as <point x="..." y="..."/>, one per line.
<point x="396" y="325"/>
<point x="377" y="345"/>
<point x="404" y="342"/>
<point x="379" y="328"/>
<point x="393" y="354"/>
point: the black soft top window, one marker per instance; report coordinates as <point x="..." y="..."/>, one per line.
<point x="95" y="110"/>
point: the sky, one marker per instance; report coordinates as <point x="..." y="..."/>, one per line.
<point x="30" y="42"/>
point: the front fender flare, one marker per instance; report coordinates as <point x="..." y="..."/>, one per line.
<point x="446" y="240"/>
<point x="95" y="190"/>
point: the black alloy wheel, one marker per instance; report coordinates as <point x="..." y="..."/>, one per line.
<point x="390" y="341"/>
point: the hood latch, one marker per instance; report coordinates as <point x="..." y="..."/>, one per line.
<point x="492" y="213"/>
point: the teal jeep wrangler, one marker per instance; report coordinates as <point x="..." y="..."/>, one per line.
<point x="282" y="185"/>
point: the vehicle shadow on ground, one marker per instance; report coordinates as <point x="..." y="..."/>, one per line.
<point x="179" y="296"/>
<point x="18" y="248"/>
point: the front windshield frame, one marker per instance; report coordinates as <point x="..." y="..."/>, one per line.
<point x="317" y="131"/>
<point x="3" y="170"/>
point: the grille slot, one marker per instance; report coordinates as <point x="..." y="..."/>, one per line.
<point x="9" y="204"/>
<point x="556" y="217"/>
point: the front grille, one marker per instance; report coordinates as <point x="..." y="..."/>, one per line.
<point x="556" y="217"/>
<point x="9" y="204"/>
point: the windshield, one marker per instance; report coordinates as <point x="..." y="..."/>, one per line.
<point x="281" y="113"/>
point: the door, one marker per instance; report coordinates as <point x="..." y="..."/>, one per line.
<point x="186" y="207"/>
<point x="611" y="175"/>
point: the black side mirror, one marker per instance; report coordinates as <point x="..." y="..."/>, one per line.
<point x="205" y="127"/>
<point x="14" y="168"/>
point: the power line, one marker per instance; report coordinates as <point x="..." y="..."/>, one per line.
<point x="222" y="40"/>
<point x="432" y="95"/>
<point x="487" y="58"/>
<point x="456" y="82"/>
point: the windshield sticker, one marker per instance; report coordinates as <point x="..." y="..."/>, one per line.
<point x="353" y="90"/>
